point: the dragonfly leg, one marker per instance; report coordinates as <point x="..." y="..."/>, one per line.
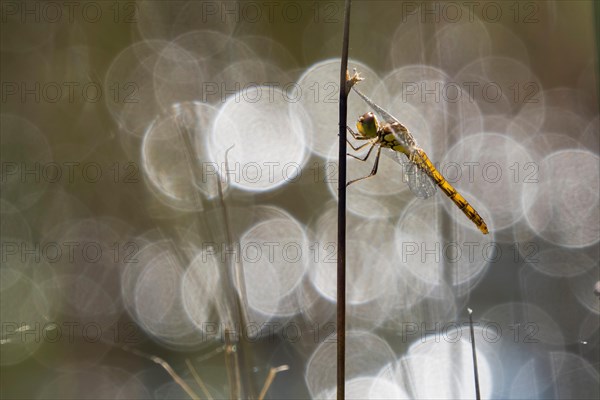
<point x="368" y="153"/>
<point x="373" y="171"/>
<point x="362" y="146"/>
<point x="356" y="135"/>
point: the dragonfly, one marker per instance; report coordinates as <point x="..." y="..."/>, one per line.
<point x="419" y="172"/>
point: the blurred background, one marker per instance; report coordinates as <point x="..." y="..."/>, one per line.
<point x="129" y="231"/>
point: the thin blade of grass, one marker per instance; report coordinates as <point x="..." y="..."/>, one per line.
<point x="270" y="378"/>
<point x="198" y="380"/>
<point x="475" y="370"/>
<point x="165" y="365"/>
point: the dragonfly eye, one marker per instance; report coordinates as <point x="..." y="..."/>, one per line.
<point x="367" y="125"/>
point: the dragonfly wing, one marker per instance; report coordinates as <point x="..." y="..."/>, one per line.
<point x="401" y="133"/>
<point x="418" y="180"/>
<point x="421" y="184"/>
<point x="384" y="115"/>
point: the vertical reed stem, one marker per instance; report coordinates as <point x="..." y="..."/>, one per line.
<point x="341" y="240"/>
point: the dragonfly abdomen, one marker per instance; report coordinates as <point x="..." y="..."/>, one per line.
<point x="449" y="190"/>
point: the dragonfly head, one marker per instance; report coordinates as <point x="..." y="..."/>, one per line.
<point x="367" y="125"/>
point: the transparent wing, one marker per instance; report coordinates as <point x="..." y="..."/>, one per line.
<point x="384" y="115"/>
<point x="419" y="182"/>
<point x="402" y="134"/>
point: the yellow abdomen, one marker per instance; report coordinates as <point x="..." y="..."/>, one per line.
<point x="447" y="188"/>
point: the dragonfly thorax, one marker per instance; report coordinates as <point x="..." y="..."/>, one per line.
<point x="395" y="136"/>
